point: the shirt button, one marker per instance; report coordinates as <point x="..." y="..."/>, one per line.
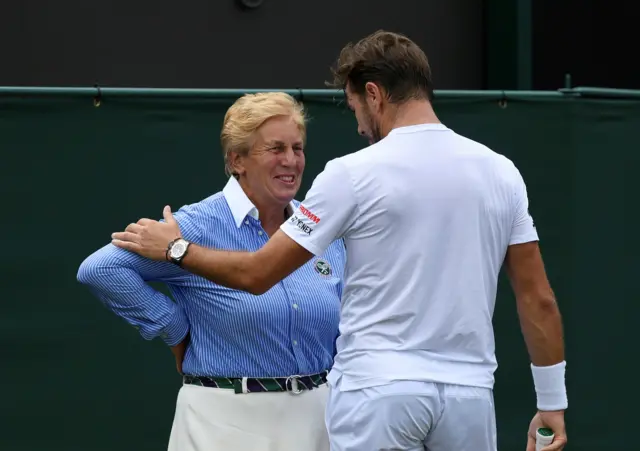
<point x="295" y="342"/>
<point x="260" y="232"/>
<point x="295" y="306"/>
<point x="247" y="221"/>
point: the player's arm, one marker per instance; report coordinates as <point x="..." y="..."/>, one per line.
<point x="540" y="322"/>
<point x="538" y="311"/>
<point x="324" y="215"/>
<point x="542" y="329"/>
<point x="254" y="272"/>
<point x="539" y="314"/>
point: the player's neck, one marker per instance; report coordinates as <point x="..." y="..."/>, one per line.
<point x="412" y="112"/>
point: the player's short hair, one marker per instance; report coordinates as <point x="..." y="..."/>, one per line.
<point x="248" y="113"/>
<point x="391" y="60"/>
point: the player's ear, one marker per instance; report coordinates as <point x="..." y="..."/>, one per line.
<point x="374" y="95"/>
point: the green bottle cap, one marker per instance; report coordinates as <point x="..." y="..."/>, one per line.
<point x="545" y="432"/>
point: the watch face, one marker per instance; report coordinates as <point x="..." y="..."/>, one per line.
<point x="178" y="249"/>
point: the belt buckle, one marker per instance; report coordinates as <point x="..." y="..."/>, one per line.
<point x="295" y="389"/>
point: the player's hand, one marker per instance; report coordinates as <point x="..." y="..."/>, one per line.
<point x="179" y="351"/>
<point x="149" y="238"/>
<point x="555" y="422"/>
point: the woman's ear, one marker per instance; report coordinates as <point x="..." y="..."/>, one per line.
<point x="237" y="163"/>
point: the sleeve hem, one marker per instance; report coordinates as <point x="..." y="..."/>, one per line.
<point x="315" y="250"/>
<point x="528" y="238"/>
<point x="178" y="327"/>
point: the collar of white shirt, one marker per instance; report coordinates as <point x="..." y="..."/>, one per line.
<point x="240" y="205"/>
<point x="418" y="128"/>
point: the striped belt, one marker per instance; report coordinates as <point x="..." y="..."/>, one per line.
<point x="292" y="384"/>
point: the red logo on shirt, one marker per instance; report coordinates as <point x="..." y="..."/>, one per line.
<point x="309" y="215"/>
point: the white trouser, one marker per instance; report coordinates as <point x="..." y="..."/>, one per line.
<point x="217" y="419"/>
<point x="411" y="416"/>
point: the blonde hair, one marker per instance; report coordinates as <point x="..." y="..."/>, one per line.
<point x="248" y="113"/>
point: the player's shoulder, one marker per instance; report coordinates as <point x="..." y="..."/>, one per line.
<point x="468" y="145"/>
<point x="501" y="162"/>
<point x="505" y="167"/>
<point x="357" y="161"/>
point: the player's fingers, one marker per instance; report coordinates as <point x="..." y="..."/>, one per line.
<point x="145" y="221"/>
<point x="125" y="237"/>
<point x="134" y="228"/>
<point x="531" y="443"/>
<point x="558" y="444"/>
<point x="134" y="247"/>
<point x="168" y="216"/>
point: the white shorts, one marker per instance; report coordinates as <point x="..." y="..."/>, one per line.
<point x="411" y="416"/>
<point x="217" y="419"/>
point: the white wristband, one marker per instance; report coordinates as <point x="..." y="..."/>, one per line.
<point x="550" y="387"/>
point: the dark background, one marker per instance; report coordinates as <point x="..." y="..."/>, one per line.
<point x="472" y="44"/>
<point x="77" y="378"/>
<point x="214" y="44"/>
<point x="593" y="40"/>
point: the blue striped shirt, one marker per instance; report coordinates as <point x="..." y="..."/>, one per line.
<point x="291" y="329"/>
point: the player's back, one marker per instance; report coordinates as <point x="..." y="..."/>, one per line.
<point x="435" y="213"/>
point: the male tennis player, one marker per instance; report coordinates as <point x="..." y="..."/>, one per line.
<point x="428" y="218"/>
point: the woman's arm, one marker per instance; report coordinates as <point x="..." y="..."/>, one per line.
<point x="118" y="278"/>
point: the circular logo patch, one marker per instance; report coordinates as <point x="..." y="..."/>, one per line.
<point x="323" y="267"/>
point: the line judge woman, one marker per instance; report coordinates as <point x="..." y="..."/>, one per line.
<point x="254" y="367"/>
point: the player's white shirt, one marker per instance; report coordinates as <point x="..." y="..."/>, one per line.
<point x="426" y="216"/>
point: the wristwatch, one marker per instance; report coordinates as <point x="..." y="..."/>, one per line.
<point x="177" y="250"/>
